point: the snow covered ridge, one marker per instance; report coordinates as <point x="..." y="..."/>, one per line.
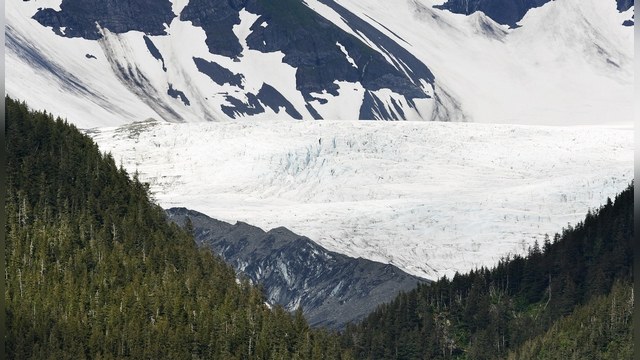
<point x="432" y="198"/>
<point x="109" y="63"/>
<point x="507" y="12"/>
<point x="288" y="59"/>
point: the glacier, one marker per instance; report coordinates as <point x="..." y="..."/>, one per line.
<point x="432" y="198"/>
<point x="534" y="125"/>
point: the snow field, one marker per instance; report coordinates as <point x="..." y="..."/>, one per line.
<point x="431" y="198"/>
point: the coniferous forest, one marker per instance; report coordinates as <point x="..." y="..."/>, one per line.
<point x="94" y="271"/>
<point x="492" y="313"/>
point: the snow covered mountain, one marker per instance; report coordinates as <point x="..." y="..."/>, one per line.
<point x="113" y="62"/>
<point x="432" y="198"/>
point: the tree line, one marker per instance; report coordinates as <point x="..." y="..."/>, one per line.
<point x="490" y="313"/>
<point x="94" y="270"/>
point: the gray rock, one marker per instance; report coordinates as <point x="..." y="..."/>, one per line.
<point x="119" y="16"/>
<point x="307" y="40"/>
<point x="624" y="5"/>
<point x="333" y="289"/>
<point x="505" y="12"/>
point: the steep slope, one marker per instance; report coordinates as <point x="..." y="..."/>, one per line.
<point x="601" y="329"/>
<point x="506" y="12"/>
<point x="331" y="288"/>
<point x="566" y="62"/>
<point x="431" y="198"/>
<point x="488" y="313"/>
<point x="152" y="56"/>
<point x="558" y="62"/>
<point x="94" y="270"/>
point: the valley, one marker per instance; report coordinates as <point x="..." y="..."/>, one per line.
<point x="319" y="179"/>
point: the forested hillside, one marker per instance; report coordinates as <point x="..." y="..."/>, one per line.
<point x="94" y="270"/>
<point x="599" y="330"/>
<point x="490" y="312"/>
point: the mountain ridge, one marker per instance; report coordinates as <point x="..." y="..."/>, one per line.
<point x="306" y="39"/>
<point x="329" y="59"/>
<point x="332" y="289"/>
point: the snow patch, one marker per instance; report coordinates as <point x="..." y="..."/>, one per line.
<point x="178" y="5"/>
<point x="347" y="103"/>
<point x="349" y="58"/>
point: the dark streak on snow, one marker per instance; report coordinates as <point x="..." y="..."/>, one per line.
<point x="417" y="69"/>
<point x="267" y="96"/>
<point x="217" y="73"/>
<point x="389" y="30"/>
<point x="177" y="94"/>
<point x="135" y="80"/>
<point x="154" y="51"/>
<point x="38" y="60"/>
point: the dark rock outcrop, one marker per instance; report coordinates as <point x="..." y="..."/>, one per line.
<point x="154" y="51"/>
<point x="505" y="12"/>
<point x="217" y="19"/>
<point x="177" y="94"/>
<point x="624" y="5"/>
<point x="217" y="73"/>
<point x="310" y="43"/>
<point x="267" y="96"/>
<point x="333" y="289"/>
<point x="271" y="98"/>
<point x="79" y="17"/>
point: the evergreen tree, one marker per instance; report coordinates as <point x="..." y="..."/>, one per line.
<point x="95" y="270"/>
<point x="490" y="313"/>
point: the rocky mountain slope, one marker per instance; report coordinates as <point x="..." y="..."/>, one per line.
<point x="532" y="62"/>
<point x="331" y="288"/>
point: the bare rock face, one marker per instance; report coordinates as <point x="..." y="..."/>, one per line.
<point x="331" y="288"/>
<point x="80" y="17"/>
<point x="505" y="12"/>
<point x="308" y="41"/>
<point x="624" y="5"/>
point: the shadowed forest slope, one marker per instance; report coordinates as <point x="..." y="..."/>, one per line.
<point x="95" y="271"/>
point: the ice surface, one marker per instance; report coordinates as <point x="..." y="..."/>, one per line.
<point x="432" y="198"/>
